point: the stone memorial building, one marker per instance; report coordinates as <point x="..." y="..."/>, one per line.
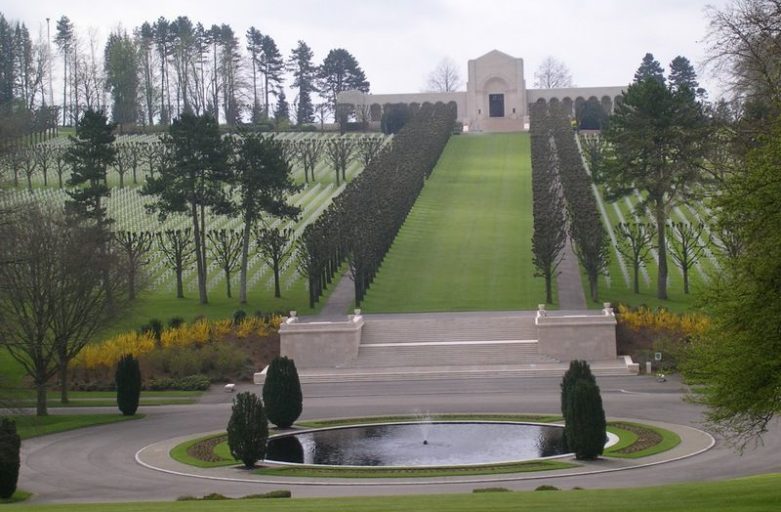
<point x="496" y="98"/>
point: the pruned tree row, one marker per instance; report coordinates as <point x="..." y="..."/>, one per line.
<point x="589" y="238"/>
<point x="362" y="222"/>
<point x="140" y="157"/>
<point x="550" y="233"/>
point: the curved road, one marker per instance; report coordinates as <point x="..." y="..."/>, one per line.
<point x="97" y="464"/>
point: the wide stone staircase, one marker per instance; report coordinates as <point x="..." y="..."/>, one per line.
<point x="448" y="346"/>
<point x="448" y="340"/>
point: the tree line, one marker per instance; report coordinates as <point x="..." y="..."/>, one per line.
<point x="564" y="196"/>
<point x="165" y="68"/>
<point x="25" y="106"/>
<point x="162" y="69"/>
<point x="550" y="223"/>
<point x="362" y="222"/>
<point x="141" y="157"/>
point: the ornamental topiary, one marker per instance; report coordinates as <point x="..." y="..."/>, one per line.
<point x="128" y="381"/>
<point x="585" y="427"/>
<point x="282" y="392"/>
<point x="577" y="370"/>
<point x="10" y="443"/>
<point x="247" y="429"/>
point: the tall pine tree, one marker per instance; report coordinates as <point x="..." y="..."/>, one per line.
<point x="304" y="74"/>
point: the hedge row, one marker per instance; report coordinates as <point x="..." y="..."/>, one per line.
<point x="362" y="222"/>
<point x="549" y="234"/>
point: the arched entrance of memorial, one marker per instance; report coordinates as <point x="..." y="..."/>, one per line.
<point x="496" y="105"/>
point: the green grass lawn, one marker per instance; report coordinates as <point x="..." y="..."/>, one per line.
<point x="16" y="497"/>
<point x="26" y="398"/>
<point x="466" y="245"/>
<point x="760" y="493"/>
<point x="32" y="426"/>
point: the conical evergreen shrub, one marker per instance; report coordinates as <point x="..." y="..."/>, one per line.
<point x="578" y="369"/>
<point x="585" y="427"/>
<point x="128" y="382"/>
<point x="247" y="429"/>
<point x="10" y="443"/>
<point x="282" y="392"/>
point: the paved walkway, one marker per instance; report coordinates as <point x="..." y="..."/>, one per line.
<point x="340" y="301"/>
<point x="568" y="283"/>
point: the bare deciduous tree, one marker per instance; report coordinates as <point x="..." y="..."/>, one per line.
<point x="744" y="47"/>
<point x="275" y="246"/>
<point x="309" y="153"/>
<point x="340" y="152"/>
<point x="552" y="74"/>
<point x="445" y="77"/>
<point x="177" y="247"/>
<point x="134" y="246"/>
<point x="635" y="242"/>
<point x="369" y="148"/>
<point x="686" y="247"/>
<point x="225" y="248"/>
<point x="53" y="298"/>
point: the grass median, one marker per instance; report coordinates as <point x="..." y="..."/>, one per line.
<point x="466" y="245"/>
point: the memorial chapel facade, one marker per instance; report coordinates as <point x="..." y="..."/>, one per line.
<point x="496" y="98"/>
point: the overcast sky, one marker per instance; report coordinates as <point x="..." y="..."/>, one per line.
<point x="399" y="42"/>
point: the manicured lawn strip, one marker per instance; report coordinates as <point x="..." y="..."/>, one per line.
<point x="104" y="402"/>
<point x="179" y="454"/>
<point x="669" y="441"/>
<point x="435" y="417"/>
<point x="17" y="496"/>
<point x="466" y="245"/>
<point x="754" y="494"/>
<point x="221" y="450"/>
<point x="493" y="469"/>
<point x="625" y="438"/>
<point x="33" y="426"/>
<point x="26" y="398"/>
<point x="144" y="394"/>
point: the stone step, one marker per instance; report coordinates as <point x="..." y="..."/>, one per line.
<point x="620" y="367"/>
<point x="449" y="353"/>
<point x="445" y="337"/>
<point x="447" y="328"/>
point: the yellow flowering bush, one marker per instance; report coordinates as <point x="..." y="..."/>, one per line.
<point x="111" y="350"/>
<point x="687" y="324"/>
<point x="200" y="333"/>
<point x="642" y="332"/>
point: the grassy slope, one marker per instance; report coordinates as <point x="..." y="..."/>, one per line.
<point x="466" y="245"/>
<point x="752" y="494"/>
<point x="619" y="291"/>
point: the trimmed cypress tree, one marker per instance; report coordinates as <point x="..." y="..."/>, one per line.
<point x="128" y="382"/>
<point x="247" y="429"/>
<point x="10" y="443"/>
<point x="282" y="392"/>
<point x="585" y="427"/>
<point x="578" y="369"/>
